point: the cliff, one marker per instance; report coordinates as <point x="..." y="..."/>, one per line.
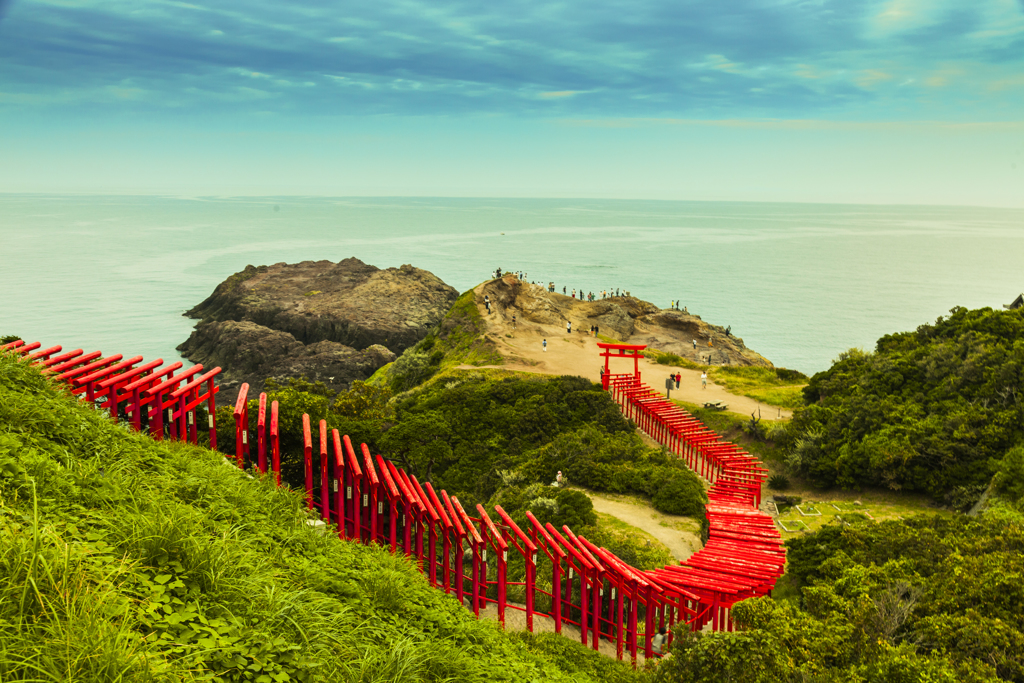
<point x="329" y="322"/>
<point x="626" y="318"/>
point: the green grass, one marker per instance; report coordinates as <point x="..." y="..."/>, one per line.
<point x="457" y="340"/>
<point x="125" y="559"/>
<point x="774" y="386"/>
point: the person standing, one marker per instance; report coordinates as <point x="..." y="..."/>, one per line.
<point x="544" y="344"/>
<point x="679" y="377"/>
<point x="694" y="344"/>
<point x="563" y="290"/>
<point x="568" y="327"/>
<point x="704" y="380"/>
<point x="513" y="321"/>
<point x="659" y="640"/>
<point x="574" y="294"/>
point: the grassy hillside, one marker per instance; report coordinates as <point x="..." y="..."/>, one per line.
<point x="123" y="559"/>
<point x="457" y="340"/>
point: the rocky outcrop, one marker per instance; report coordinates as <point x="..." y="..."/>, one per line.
<point x="349" y="302"/>
<point x="327" y="322"/>
<point x="253" y="353"/>
<point x="626" y="318"/>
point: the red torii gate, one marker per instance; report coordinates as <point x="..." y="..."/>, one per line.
<point x="633" y="351"/>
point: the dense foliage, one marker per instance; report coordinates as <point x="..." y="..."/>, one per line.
<point x="933" y="410"/>
<point x="932" y="598"/>
<point x="124" y="559"/>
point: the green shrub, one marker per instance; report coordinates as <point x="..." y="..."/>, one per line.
<point x="778" y="482"/>
<point x="1009" y="479"/>
<point x="933" y="410"/>
<point x="681" y="493"/>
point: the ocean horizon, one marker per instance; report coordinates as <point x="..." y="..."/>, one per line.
<point x="799" y="283"/>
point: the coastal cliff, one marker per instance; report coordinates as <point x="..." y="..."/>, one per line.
<point x="625" y="318"/>
<point x="325" y="321"/>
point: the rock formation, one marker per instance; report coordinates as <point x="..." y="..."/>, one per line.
<point x="626" y="318"/>
<point x="329" y="322"/>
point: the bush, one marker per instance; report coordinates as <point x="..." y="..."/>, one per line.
<point x="933" y="410"/>
<point x="1009" y="479"/>
<point x="681" y="494"/>
<point x="779" y="482"/>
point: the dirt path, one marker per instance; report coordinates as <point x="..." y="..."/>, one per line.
<point x="577" y="354"/>
<point x="679" y="534"/>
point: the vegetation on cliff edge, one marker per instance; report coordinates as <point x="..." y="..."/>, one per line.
<point x="934" y="410"/>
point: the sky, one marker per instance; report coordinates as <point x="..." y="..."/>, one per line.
<point x="887" y="101"/>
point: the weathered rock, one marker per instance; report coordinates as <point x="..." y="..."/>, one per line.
<point x="327" y="322"/>
<point x="349" y="302"/>
<point x="252" y="353"/>
<point x="625" y="318"/>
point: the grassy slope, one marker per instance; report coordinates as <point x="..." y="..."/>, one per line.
<point x="126" y="559"/>
<point x="457" y="340"/>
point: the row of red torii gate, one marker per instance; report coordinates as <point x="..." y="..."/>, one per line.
<point x="487" y="561"/>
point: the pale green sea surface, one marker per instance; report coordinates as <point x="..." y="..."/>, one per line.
<point x="798" y="282"/>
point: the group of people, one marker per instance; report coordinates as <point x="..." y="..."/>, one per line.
<point x="589" y="296"/>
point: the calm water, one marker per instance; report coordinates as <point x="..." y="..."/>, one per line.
<point x="798" y="282"/>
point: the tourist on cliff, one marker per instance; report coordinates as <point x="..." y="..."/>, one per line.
<point x="704" y="380"/>
<point x="513" y="321"/>
<point x="568" y="327"/>
<point x="544" y="344"/>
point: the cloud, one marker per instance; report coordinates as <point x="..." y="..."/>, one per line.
<point x="664" y="58"/>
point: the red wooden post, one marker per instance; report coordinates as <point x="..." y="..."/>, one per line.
<point x="433" y="520"/>
<point x="352" y="492"/>
<point x="275" y="443"/>
<point x="307" y="459"/>
<point x="261" y="434"/>
<point x="211" y="411"/>
<point x="460" y="535"/>
<point x="555" y="554"/>
<point x="338" y="481"/>
<point x="391" y="491"/>
<point x="446" y="548"/>
<point x="489" y="531"/>
<point x="325" y="492"/>
<point x="648" y="594"/>
<point x="241" y="425"/>
<point x="370" y="498"/>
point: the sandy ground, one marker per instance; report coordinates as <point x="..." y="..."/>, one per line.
<point x="670" y="530"/>
<point x="577" y="354"/>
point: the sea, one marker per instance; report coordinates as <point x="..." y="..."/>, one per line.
<point x="799" y="283"/>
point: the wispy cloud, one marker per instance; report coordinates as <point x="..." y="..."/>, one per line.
<point x="666" y="58"/>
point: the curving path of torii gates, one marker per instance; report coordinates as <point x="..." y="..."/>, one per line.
<point x="472" y="553"/>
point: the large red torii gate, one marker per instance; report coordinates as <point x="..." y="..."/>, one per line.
<point x="633" y="351"/>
